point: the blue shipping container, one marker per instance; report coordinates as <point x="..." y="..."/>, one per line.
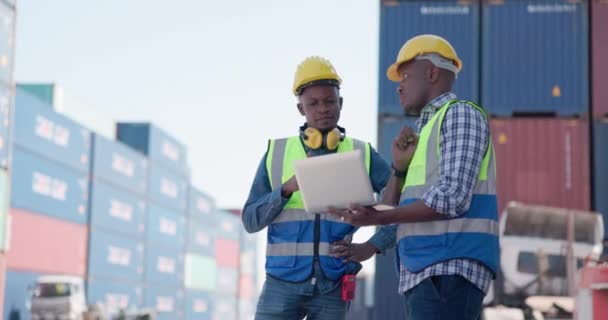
<point x="159" y="146"/>
<point x="201" y="238"/>
<point x="114" y="296"/>
<point x="164" y="267"/>
<point x="199" y="305"/>
<point x="16" y="295"/>
<point x="168" y="302"/>
<point x="388" y="129"/>
<point x="228" y="225"/>
<point x="6" y="102"/>
<point x="7" y="43"/>
<point x="454" y="21"/>
<point x="40" y="129"/>
<point x="225" y="307"/>
<point x="200" y="204"/>
<point x="535" y="56"/>
<point x="119" y="164"/>
<point x="116" y="210"/>
<point x="46" y="187"/>
<point x="165" y="228"/>
<point x="167" y="189"/>
<point x="600" y="170"/>
<point x="113" y="257"/>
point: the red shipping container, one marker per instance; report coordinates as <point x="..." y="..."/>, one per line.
<point x="246" y="287"/>
<point x="227" y="253"/>
<point x="39" y="243"/>
<point x="2" y="280"/>
<point x="599" y="52"/>
<point x="542" y="161"/>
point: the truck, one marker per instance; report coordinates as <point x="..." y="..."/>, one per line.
<point x="58" y="297"/>
<point x="541" y="250"/>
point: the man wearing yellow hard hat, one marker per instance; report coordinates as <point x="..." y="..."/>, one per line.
<point x="308" y="255"/>
<point x="444" y="189"/>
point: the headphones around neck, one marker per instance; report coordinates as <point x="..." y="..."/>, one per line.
<point x="316" y="139"/>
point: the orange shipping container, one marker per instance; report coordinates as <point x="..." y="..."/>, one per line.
<point x="39" y="243"/>
<point x="542" y="161"/>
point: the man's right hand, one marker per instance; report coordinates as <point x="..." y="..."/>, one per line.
<point x="403" y="148"/>
<point x="289" y="187"/>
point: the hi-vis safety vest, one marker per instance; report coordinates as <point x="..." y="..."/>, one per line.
<point x="296" y="238"/>
<point x="473" y="235"/>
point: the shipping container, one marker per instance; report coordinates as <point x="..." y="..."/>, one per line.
<point x="227" y="280"/>
<point x="116" y="210"/>
<point x="599" y="65"/>
<point x="167" y="189"/>
<point x="43" y="244"/>
<point x="6" y="102"/>
<point x="456" y="21"/>
<point x="200" y="272"/>
<point x="168" y="302"/>
<point x="39" y="129"/>
<point x="120" y="165"/>
<point x="47" y="93"/>
<point x="199" y="305"/>
<point x="225" y="308"/>
<point x="165" y="228"/>
<point x="247" y="261"/>
<point x="114" y="296"/>
<point x="388" y="129"/>
<point x="535" y="56"/>
<point x="388" y="303"/>
<point x="227" y="253"/>
<point x="164" y="267"/>
<point x="158" y="145"/>
<point x="200" y="205"/>
<point x="46" y="187"/>
<point x="2" y="281"/>
<point x="201" y="239"/>
<point x="247" y="309"/>
<point x="4" y="189"/>
<point x="17" y="295"/>
<point x="542" y="161"/>
<point x="247" y="287"/>
<point x="228" y="225"/>
<point x="114" y="257"/>
<point x="600" y="170"/>
<point x="7" y="43"/>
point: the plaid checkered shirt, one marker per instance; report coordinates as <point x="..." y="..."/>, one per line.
<point x="464" y="140"/>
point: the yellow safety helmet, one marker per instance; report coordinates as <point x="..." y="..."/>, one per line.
<point x="419" y="45"/>
<point x="315" y="70"/>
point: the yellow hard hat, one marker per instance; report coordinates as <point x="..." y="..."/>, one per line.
<point x="315" y="70"/>
<point x="419" y="45"/>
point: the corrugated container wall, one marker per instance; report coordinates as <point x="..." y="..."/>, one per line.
<point x="46" y="187"/>
<point x="114" y="296"/>
<point x="16" y="294"/>
<point x="7" y="43"/>
<point x="535" y="56"/>
<point x="120" y="165"/>
<point x="45" y="92"/>
<point x="542" y="161"/>
<point x="165" y="228"/>
<point x="201" y="238"/>
<point x="115" y="210"/>
<point x="159" y="146"/>
<point x="164" y="267"/>
<point x="39" y="129"/>
<point x="228" y="225"/>
<point x="42" y="244"/>
<point x="600" y="170"/>
<point x="167" y="189"/>
<point x="224" y="307"/>
<point x="115" y="258"/>
<point x="199" y="305"/>
<point x="6" y="102"/>
<point x="457" y="22"/>
<point x="599" y="46"/>
<point x="168" y="302"/>
<point x="200" y="204"/>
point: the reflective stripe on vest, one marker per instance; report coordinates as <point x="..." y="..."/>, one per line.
<point x="290" y="248"/>
<point x="474" y="234"/>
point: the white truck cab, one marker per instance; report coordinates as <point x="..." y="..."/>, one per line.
<point x="57" y="298"/>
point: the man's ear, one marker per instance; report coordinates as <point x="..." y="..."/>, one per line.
<point x="301" y="109"/>
<point x="433" y="74"/>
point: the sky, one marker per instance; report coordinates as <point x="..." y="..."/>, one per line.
<point x="217" y="75"/>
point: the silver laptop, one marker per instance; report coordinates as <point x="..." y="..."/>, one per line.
<point x="336" y="180"/>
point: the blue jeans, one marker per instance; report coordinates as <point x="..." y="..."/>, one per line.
<point x="444" y="297"/>
<point x="279" y="301"/>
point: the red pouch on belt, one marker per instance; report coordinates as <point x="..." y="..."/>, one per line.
<point x="349" y="284"/>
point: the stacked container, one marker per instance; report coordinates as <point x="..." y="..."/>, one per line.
<point x="248" y="289"/>
<point x="228" y="228"/>
<point x="599" y="95"/>
<point x="165" y="223"/>
<point x="201" y="268"/>
<point x="49" y="198"/>
<point x="117" y="216"/>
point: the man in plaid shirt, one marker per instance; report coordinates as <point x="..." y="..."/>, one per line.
<point x="443" y="182"/>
